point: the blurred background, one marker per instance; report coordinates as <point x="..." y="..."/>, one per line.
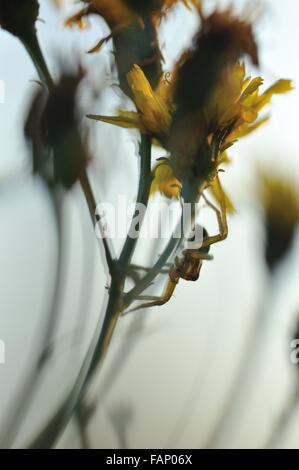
<point x="211" y="368"/>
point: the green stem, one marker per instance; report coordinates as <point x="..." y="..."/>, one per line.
<point x="115" y="307"/>
<point x="142" y="197"/>
<point x="118" y="272"/>
<point x="91" y="202"/>
<point x="115" y="304"/>
<point x="151" y="275"/>
<point x="32" y="46"/>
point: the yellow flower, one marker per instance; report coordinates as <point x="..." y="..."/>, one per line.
<point x="235" y="106"/>
<point x="236" y="102"/>
<point x="232" y="110"/>
<point x="197" y="130"/>
<point x="164" y="180"/>
<point x="154" y="107"/>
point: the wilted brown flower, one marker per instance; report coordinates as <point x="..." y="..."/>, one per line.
<point x="115" y="12"/>
<point x="18" y="17"/>
<point x="280" y="202"/>
<point x="52" y="123"/>
<point x="133" y="25"/>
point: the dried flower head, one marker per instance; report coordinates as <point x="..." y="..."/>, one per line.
<point x="18" y="17"/>
<point x="120" y="13"/>
<point x="52" y="123"/>
<point x="116" y="13"/>
<point x="280" y="202"/>
<point x="133" y="27"/>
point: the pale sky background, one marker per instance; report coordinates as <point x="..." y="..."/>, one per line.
<point x="183" y="356"/>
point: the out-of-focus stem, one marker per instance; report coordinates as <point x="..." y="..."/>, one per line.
<point x="32" y="46"/>
<point x="27" y="390"/>
<point x="91" y="203"/>
<point x="115" y="304"/>
<point x="48" y="436"/>
<point x="234" y="405"/>
<point x="284" y="420"/>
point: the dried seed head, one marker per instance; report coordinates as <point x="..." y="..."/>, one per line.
<point x="280" y="202"/>
<point x="18" y="17"/>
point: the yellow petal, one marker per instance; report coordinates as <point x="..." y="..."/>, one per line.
<point x="281" y="86"/>
<point x="165" y="182"/>
<point x="245" y="130"/>
<point x="248" y="114"/>
<point x="224" y="158"/>
<point x="218" y="195"/>
<point x="126" y="119"/>
<point x="139" y="84"/>
<point x="155" y="114"/>
<point x="239" y="74"/>
<point x="165" y="89"/>
<point x="252" y="87"/>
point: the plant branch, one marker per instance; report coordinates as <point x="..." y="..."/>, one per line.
<point x="32" y="46"/>
<point x="142" y="198"/>
<point x="91" y="203"/>
<point x="48" y="436"/>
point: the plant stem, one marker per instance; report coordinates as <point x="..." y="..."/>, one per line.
<point x="239" y="397"/>
<point x="150" y="276"/>
<point x="91" y="203"/>
<point x="32" y="46"/>
<point x="115" y="305"/>
<point x="142" y="197"/>
<point x="171" y="246"/>
<point x="27" y="390"/>
<point x="284" y="420"/>
<point x="118" y="270"/>
<point x="48" y="436"/>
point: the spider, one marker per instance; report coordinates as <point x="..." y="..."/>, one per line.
<point x="189" y="264"/>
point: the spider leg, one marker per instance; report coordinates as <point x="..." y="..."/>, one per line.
<point x="136" y="267"/>
<point x="153" y="300"/>
<point x="203" y="256"/>
<point x="132" y="272"/>
<point x="221" y="218"/>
